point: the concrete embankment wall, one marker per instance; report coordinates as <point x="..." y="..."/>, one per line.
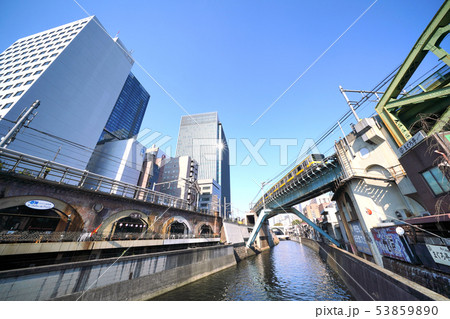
<point x="368" y="281"/>
<point x="237" y="235"/>
<point x="138" y="277"/>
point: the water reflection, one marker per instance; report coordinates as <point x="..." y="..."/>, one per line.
<point x="289" y="271"/>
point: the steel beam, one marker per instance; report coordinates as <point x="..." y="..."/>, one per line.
<point x="317" y="228"/>
<point x="263" y="215"/>
<point x="430" y="39"/>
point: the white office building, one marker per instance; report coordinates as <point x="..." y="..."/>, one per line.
<point x="77" y="72"/>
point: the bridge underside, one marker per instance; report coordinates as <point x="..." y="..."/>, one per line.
<point x="318" y="181"/>
<point x="267" y="213"/>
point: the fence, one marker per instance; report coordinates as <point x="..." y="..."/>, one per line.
<point x="43" y="237"/>
<point x="13" y="162"/>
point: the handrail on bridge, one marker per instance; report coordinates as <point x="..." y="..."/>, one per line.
<point x="304" y="176"/>
<point x="19" y="163"/>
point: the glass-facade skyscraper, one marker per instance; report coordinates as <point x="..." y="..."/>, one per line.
<point x="127" y="115"/>
<point x="202" y="137"/>
<point x="77" y="72"/>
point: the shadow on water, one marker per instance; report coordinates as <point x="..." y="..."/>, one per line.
<point x="289" y="271"/>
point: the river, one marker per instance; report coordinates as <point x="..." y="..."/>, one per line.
<point x="289" y="271"/>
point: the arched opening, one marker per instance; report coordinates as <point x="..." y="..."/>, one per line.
<point x="177" y="228"/>
<point x="23" y="218"/>
<point x="130" y="225"/>
<point x="206" y="230"/>
<point x="38" y="214"/>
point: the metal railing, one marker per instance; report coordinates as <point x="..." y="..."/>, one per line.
<point x="48" y="237"/>
<point x="14" y="162"/>
<point x="435" y="80"/>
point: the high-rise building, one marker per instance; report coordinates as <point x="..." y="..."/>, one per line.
<point x="177" y="177"/>
<point x="118" y="154"/>
<point x="77" y="71"/>
<point x="121" y="160"/>
<point x="202" y="137"/>
<point x="126" y="117"/>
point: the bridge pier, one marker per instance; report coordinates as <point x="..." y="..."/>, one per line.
<point x="265" y="214"/>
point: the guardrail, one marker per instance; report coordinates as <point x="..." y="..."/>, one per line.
<point x="43" y="237"/>
<point x="14" y="162"/>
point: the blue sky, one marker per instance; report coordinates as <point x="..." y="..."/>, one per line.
<point x="237" y="57"/>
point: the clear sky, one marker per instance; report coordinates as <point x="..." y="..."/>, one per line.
<point x="237" y="57"/>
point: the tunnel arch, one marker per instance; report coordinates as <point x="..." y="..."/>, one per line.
<point x="177" y="220"/>
<point x="27" y="213"/>
<point x="112" y="224"/>
<point x="205" y="229"/>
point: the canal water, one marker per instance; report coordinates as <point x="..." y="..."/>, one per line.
<point x="289" y="271"/>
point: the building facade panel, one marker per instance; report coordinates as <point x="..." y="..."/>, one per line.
<point x="77" y="89"/>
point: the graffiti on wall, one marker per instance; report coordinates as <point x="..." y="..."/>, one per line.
<point x="360" y="238"/>
<point x="390" y="244"/>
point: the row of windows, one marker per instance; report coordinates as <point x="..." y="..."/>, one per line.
<point x="18" y="77"/>
<point x="6" y="106"/>
<point x="41" y="39"/>
<point x="18" y="93"/>
<point x="17" y="85"/>
<point x="9" y="67"/>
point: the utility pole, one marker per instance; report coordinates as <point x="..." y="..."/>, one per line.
<point x="23" y="120"/>
<point x="349" y="103"/>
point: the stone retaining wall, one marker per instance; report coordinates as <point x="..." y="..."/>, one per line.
<point x="127" y="278"/>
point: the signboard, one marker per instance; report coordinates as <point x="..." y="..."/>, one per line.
<point x="440" y="254"/>
<point x="389" y="243"/>
<point x="39" y="204"/>
<point x="360" y="238"/>
<point x="413" y="141"/>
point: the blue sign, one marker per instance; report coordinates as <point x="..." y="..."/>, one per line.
<point x="389" y="243"/>
<point x="360" y="238"/>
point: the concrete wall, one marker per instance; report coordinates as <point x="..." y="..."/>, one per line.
<point x="127" y="278"/>
<point x="368" y="281"/>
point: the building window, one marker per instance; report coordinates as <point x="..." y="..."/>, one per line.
<point x="28" y="82"/>
<point x="27" y="75"/>
<point x="7" y="87"/>
<point x="438" y="183"/>
<point x="38" y="72"/>
<point x="18" y="93"/>
<point x="36" y="66"/>
<point x="18" y="84"/>
<point x="46" y="63"/>
<point x="7" y="80"/>
<point x="17" y="77"/>
<point x="7" y="105"/>
<point x="7" y="95"/>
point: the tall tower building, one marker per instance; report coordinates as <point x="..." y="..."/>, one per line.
<point x="202" y="137"/>
<point x="126" y="118"/>
<point x="118" y="154"/>
<point x="77" y="71"/>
